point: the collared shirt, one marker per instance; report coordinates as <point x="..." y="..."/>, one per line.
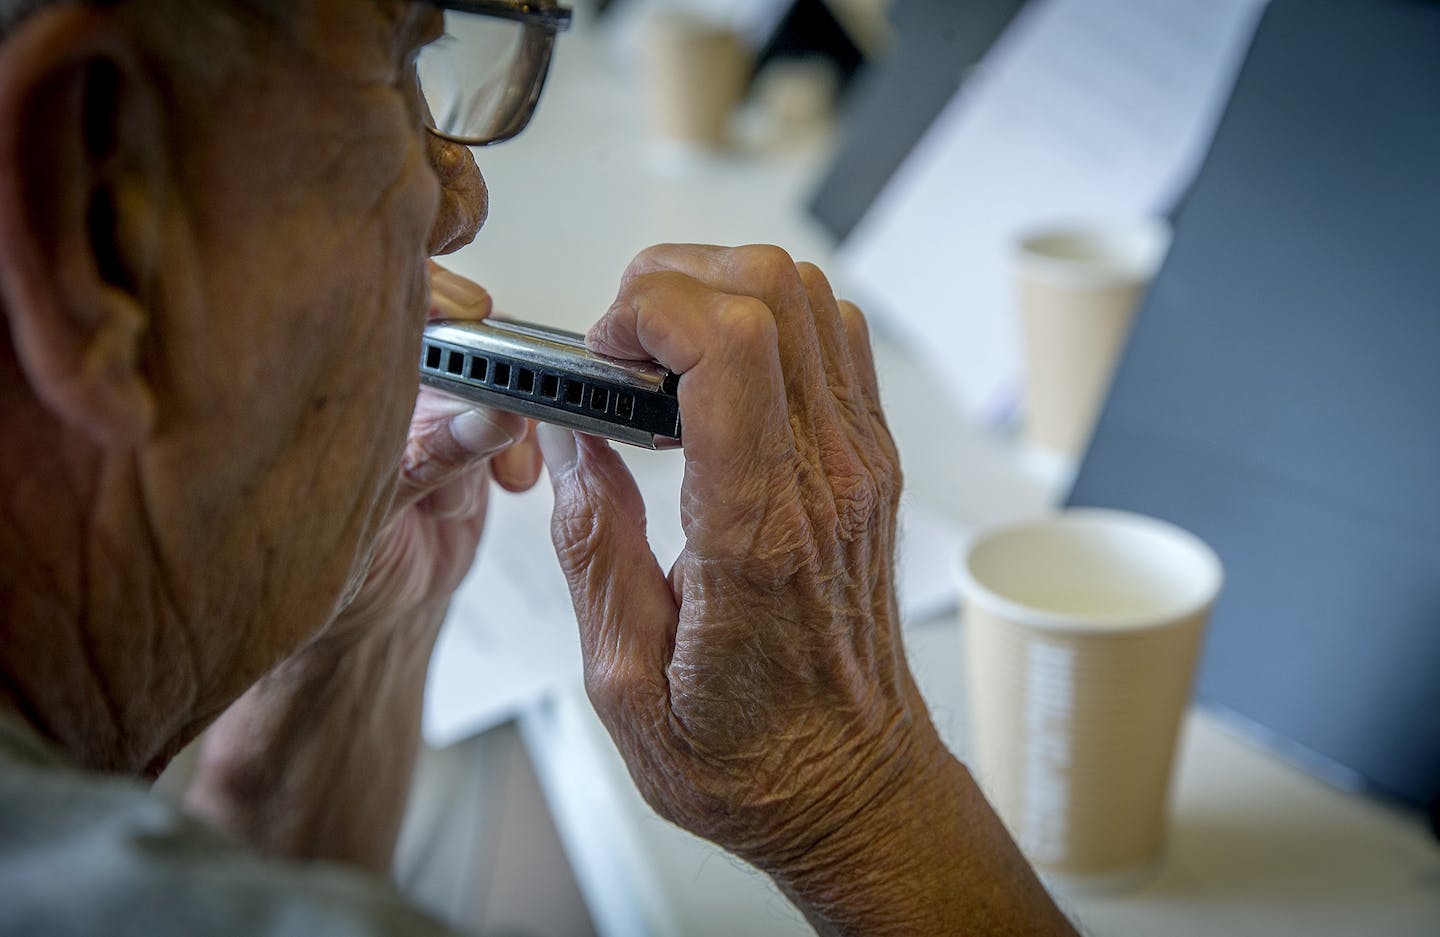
<point x="86" y="854"/>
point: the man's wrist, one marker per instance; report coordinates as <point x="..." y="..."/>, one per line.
<point x="926" y="855"/>
<point x="856" y="877"/>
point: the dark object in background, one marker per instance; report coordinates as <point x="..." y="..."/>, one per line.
<point x="808" y="30"/>
<point x="894" y="100"/>
<point x="1280" y="391"/>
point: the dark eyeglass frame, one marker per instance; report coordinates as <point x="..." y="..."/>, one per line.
<point x="542" y="22"/>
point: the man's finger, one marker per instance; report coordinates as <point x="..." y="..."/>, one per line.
<point x="448" y="438"/>
<point x="623" y="603"/>
<point x="857" y="334"/>
<point x="768" y="274"/>
<point x="830" y="332"/>
<point x="518" y="468"/>
<point x="733" y="412"/>
<point x="462" y="498"/>
<point x="863" y="355"/>
<point x="455" y="297"/>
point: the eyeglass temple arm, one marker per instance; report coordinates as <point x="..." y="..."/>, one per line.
<point x="546" y="15"/>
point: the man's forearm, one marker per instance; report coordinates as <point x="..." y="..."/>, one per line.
<point x="315" y="761"/>
<point x="933" y="859"/>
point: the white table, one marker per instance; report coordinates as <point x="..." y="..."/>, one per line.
<point x="1256" y="847"/>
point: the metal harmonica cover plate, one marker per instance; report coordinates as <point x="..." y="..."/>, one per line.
<point x="548" y="374"/>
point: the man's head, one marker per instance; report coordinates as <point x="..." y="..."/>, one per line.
<point x="214" y="220"/>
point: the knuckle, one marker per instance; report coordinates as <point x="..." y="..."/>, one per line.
<point x="850" y="400"/>
<point x="857" y="494"/>
<point x="889" y="479"/>
<point x="605" y="326"/>
<point x="856" y="497"/>
<point x="418" y="468"/>
<point x="647" y="260"/>
<point x="636" y="288"/>
<point x="783" y="555"/>
<point x="747" y="323"/>
<point x="770" y="265"/>
<point x="616" y="690"/>
<point x="603" y="690"/>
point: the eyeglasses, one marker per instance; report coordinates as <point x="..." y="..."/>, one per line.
<point x="482" y="79"/>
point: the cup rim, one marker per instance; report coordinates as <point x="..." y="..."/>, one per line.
<point x="1201" y="598"/>
<point x="1135" y="248"/>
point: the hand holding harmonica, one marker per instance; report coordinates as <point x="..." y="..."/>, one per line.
<point x="758" y="689"/>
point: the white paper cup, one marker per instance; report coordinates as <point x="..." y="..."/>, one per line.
<point x="1078" y="287"/>
<point x="695" y="71"/>
<point x="1082" y="633"/>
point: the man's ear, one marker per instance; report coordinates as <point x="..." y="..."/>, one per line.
<point x="82" y="181"/>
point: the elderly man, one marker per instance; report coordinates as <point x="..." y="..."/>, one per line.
<point x="215" y="219"/>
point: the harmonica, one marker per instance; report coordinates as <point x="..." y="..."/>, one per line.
<point x="548" y="374"/>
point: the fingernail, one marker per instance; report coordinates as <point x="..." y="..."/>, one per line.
<point x="451" y="289"/>
<point x="480" y="432"/>
<point x="557" y="445"/>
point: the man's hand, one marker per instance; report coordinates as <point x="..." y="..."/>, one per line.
<point x="453" y="452"/>
<point x="315" y="760"/>
<point x="759" y="693"/>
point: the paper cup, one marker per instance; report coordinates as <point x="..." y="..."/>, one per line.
<point x="696" y="72"/>
<point x="1078" y="288"/>
<point x="1082" y="633"/>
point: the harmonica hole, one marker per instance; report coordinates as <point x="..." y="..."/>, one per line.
<point x="502" y="374"/>
<point x="455" y="362"/>
<point x="599" y="399"/>
<point x="549" y="386"/>
<point x="432" y="357"/>
<point x="525" y="381"/>
<point x="574" y="393"/>
<point x="478" y="366"/>
<point x="624" y="405"/>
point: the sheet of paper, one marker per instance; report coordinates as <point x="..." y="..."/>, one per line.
<point x="930" y="546"/>
<point x="510" y="638"/>
<point x="1083" y="110"/>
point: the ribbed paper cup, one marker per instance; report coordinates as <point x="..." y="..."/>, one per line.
<point x="696" y="71"/>
<point x="1078" y="287"/>
<point x="1082" y="633"/>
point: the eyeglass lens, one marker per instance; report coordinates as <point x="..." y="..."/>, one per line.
<point x="477" y="77"/>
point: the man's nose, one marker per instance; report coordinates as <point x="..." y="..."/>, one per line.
<point x="464" y="200"/>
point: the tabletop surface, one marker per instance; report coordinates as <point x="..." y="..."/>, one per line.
<point x="1256" y="847"/>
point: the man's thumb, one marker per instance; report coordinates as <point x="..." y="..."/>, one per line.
<point x="626" y="611"/>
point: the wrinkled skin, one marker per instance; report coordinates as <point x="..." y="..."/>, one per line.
<point x="429" y="541"/>
<point x="429" y="538"/>
<point x="759" y="692"/>
<point x="314" y="760"/>
<point x="231" y="502"/>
